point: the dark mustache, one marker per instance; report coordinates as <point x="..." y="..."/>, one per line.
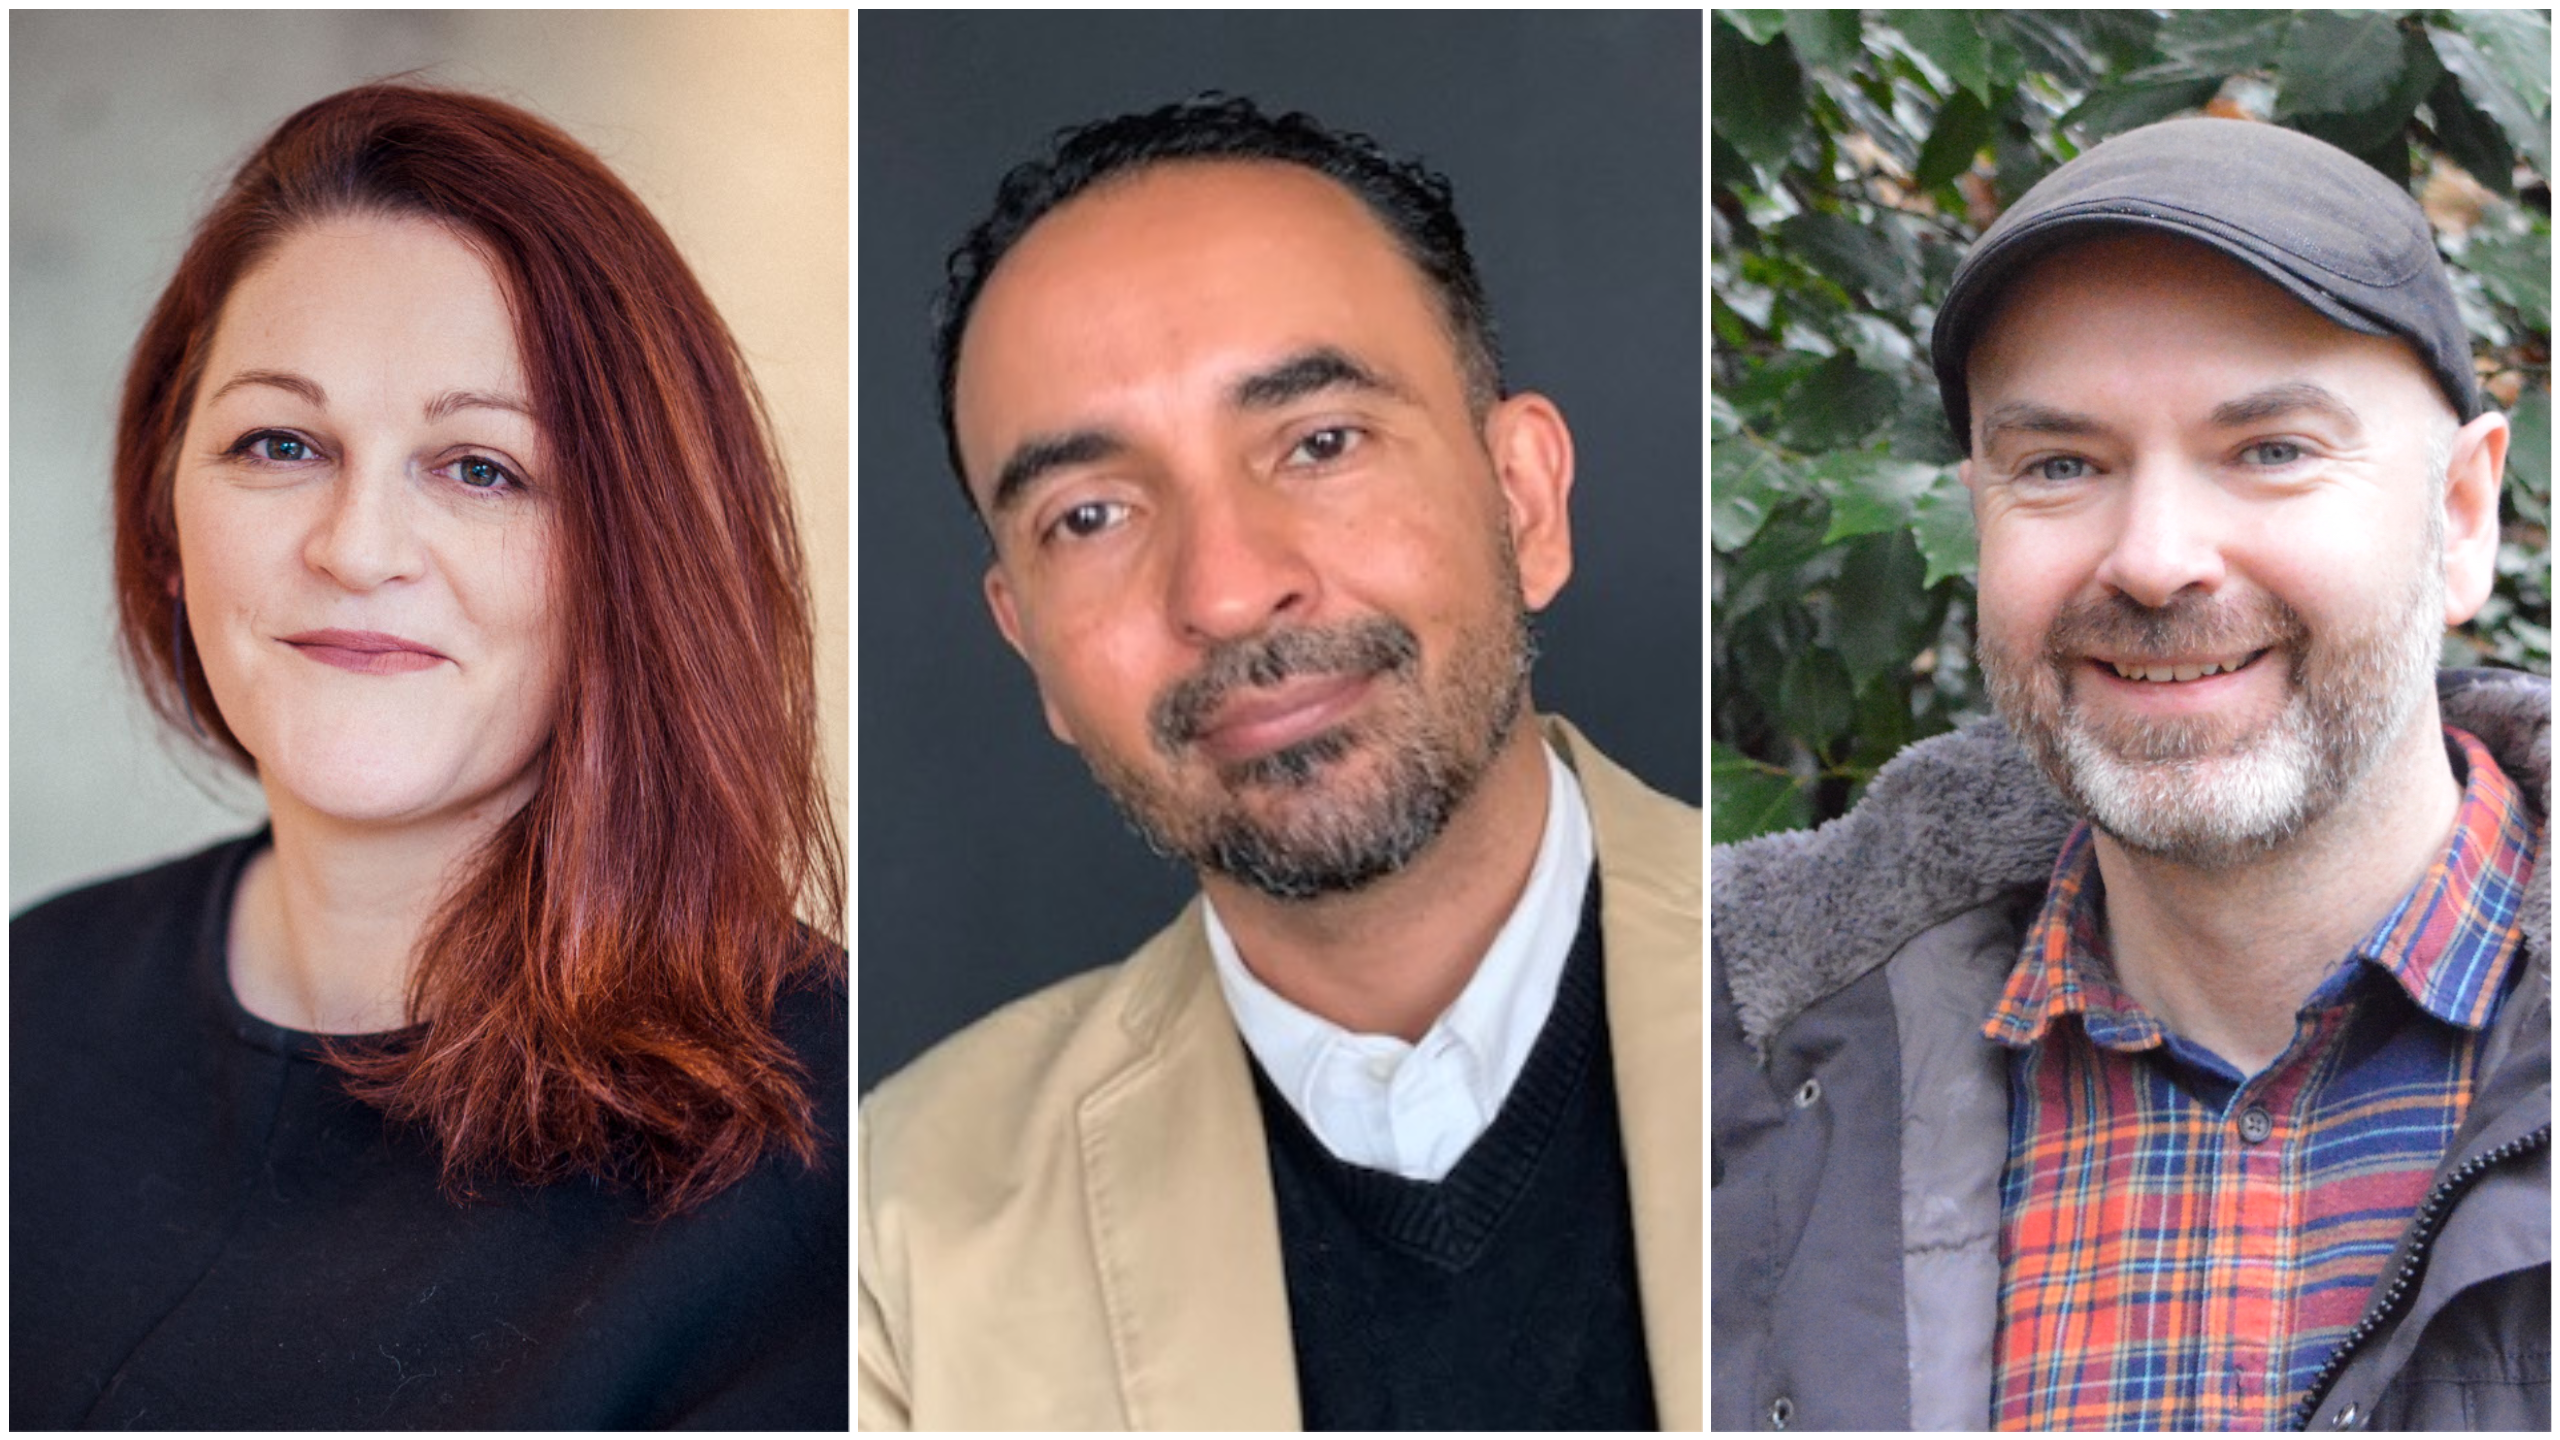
<point x="2120" y="624"/>
<point x="1365" y="647"/>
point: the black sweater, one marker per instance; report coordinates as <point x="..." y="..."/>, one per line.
<point x="1502" y="1296"/>
<point x="205" y="1231"/>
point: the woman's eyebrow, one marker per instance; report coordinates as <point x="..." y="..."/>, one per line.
<point x="286" y="380"/>
<point x="436" y="409"/>
<point x="452" y="400"/>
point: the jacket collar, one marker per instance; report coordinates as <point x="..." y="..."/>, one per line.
<point x="1190" y="1253"/>
<point x="1960" y="820"/>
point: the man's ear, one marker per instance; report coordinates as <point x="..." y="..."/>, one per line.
<point x="2472" y="482"/>
<point x="1532" y="454"/>
<point x="1000" y="604"/>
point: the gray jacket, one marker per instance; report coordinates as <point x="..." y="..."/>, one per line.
<point x="1861" y="1119"/>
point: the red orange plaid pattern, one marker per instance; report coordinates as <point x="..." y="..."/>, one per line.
<point x="2181" y="1248"/>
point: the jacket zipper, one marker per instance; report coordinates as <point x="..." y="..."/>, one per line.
<point x="2413" y="1264"/>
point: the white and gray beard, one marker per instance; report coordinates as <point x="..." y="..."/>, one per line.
<point x="2194" y="793"/>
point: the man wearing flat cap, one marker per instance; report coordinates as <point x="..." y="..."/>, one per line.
<point x="2172" y="1052"/>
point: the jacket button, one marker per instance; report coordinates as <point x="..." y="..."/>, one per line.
<point x="1807" y="1093"/>
<point x="2256" y="1125"/>
<point x="1781" y="1410"/>
<point x="2345" y="1419"/>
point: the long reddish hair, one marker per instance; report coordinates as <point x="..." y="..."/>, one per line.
<point x="598" y="991"/>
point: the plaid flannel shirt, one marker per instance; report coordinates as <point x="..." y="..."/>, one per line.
<point x="2181" y="1246"/>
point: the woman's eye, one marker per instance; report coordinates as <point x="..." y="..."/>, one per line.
<point x="2059" y="468"/>
<point x="1323" y="447"/>
<point x="482" y="473"/>
<point x="274" y="446"/>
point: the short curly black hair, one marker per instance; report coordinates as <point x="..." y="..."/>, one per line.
<point x="1411" y="201"/>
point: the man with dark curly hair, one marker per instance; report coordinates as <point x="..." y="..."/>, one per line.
<point x="1397" y="1126"/>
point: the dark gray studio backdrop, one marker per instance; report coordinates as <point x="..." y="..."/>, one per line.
<point x="987" y="864"/>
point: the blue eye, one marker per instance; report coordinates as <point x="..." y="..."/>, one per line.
<point x="2272" y="452"/>
<point x="274" y="447"/>
<point x="2059" y="468"/>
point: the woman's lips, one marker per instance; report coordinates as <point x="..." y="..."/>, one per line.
<point x="365" y="652"/>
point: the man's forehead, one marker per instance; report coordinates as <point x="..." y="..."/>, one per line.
<point x="1201" y="269"/>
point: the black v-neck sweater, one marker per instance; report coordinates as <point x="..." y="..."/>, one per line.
<point x="1500" y="1297"/>
<point x="206" y="1232"/>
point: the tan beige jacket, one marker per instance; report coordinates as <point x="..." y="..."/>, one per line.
<point x="1066" y="1212"/>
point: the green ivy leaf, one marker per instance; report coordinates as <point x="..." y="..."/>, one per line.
<point x="1963" y="128"/>
<point x="1816" y="700"/>
<point x="2517" y="46"/>
<point x="1752" y="798"/>
<point x="2113" y="111"/>
<point x="2215" y="44"/>
<point x="1824" y="37"/>
<point x="2517" y="110"/>
<point x="2471" y="139"/>
<point x="2048" y="41"/>
<point x="1758" y="26"/>
<point x="1861" y="257"/>
<point x="1869" y="491"/>
<point x="1748" y="480"/>
<point x="2339" y="63"/>
<point x="1759" y="97"/>
<point x="2515" y="269"/>
<point x="2378" y="135"/>
<point x="1839" y="404"/>
<point x="2529" y="457"/>
<point x="1952" y="42"/>
<point x="1879" y="607"/>
<point x="1942" y="526"/>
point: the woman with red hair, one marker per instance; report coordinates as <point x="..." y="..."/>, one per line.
<point x="496" y="1083"/>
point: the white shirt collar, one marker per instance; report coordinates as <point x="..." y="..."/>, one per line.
<point x="1414" y="1109"/>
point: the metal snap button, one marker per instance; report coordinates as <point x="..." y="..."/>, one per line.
<point x="1782" y="1409"/>
<point x="2256" y="1125"/>
<point x="1807" y="1093"/>
<point x="2345" y="1419"/>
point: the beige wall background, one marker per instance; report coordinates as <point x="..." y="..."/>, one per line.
<point x="123" y="125"/>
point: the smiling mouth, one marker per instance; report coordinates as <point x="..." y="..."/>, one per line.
<point x="2168" y="672"/>
<point x="365" y="652"/>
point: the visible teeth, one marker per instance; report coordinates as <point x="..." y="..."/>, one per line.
<point x="2163" y="674"/>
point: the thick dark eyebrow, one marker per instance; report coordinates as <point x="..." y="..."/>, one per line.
<point x="2285" y="399"/>
<point x="1042" y="454"/>
<point x="437" y="409"/>
<point x="1308" y="373"/>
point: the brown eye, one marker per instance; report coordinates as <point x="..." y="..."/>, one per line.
<point x="1087" y="518"/>
<point x="1323" y="447"/>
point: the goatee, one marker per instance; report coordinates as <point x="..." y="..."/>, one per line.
<point x="2207" y="791"/>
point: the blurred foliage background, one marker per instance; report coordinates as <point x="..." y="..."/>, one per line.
<point x="1855" y="156"/>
